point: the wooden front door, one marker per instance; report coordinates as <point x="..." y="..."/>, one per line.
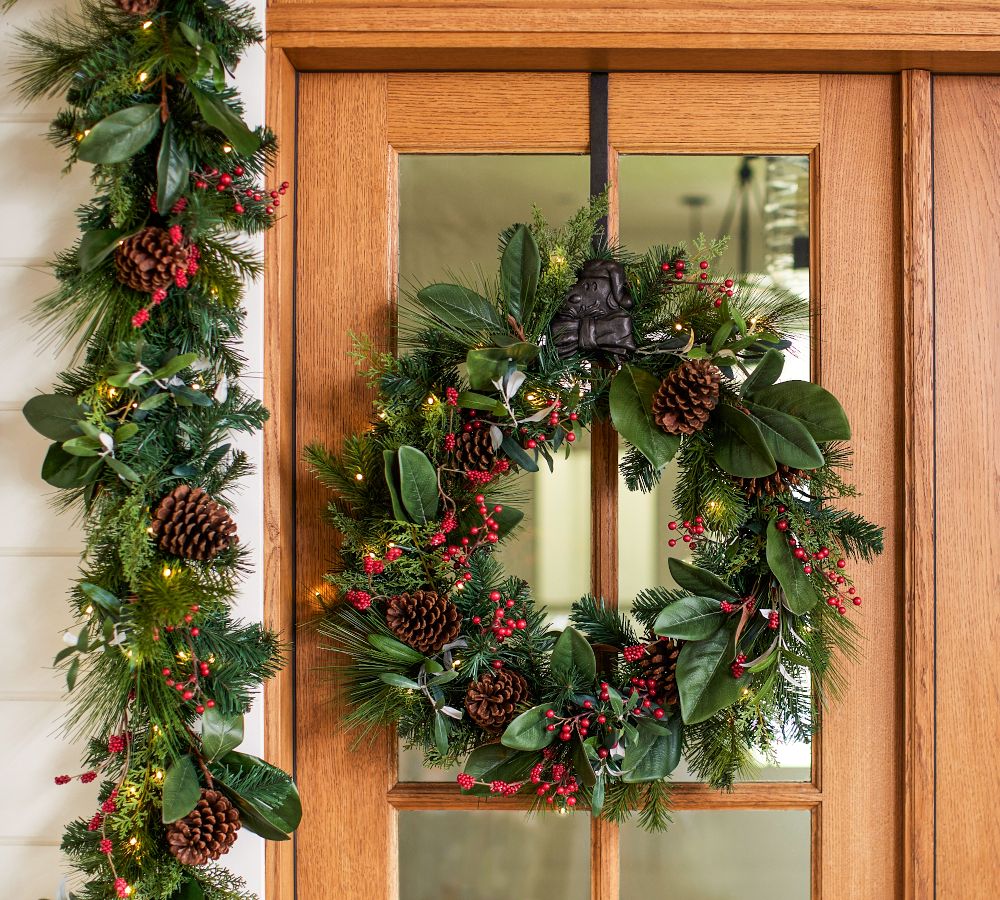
<point x="353" y="132"/>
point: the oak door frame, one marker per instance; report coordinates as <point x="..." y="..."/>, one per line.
<point x="917" y="526"/>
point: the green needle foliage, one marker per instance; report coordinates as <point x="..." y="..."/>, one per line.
<point x="160" y="673"/>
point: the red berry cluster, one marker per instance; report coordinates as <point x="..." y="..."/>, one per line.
<point x="821" y="563"/>
<point x="479" y="536"/>
<point x="537" y="435"/>
<point x="558" y="784"/>
<point x="506" y="619"/>
<point x="737" y="668"/>
<point x="690" y="531"/>
<point x="360" y="600"/>
<point x="105" y="846"/>
<point x="189" y="685"/>
<point x="676" y="271"/>
<point x="117" y="743"/>
<point x="241" y="187"/>
<point x="372" y="565"/>
<point x="634" y="654"/>
<point x="648" y="690"/>
<point x="121" y="887"/>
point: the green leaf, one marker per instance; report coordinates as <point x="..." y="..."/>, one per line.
<point x="181" y="790"/>
<point x="704" y="679"/>
<point x="721" y="336"/>
<point x="597" y="797"/>
<point x="173" y="168"/>
<point x="472" y="400"/>
<point x="175" y="365"/>
<point x="83" y="446"/>
<point x="155" y="401"/>
<point x="274" y="812"/>
<point x="487" y="757"/>
<point x="394" y="649"/>
<point x="700" y="581"/>
<point x="572" y="653"/>
<point x="517" y="454"/>
<point x="71" y="674"/>
<point x="581" y="763"/>
<point x="63" y="470"/>
<point x="765" y="373"/>
<point x="818" y="409"/>
<point x="519" y="270"/>
<point x="101" y="597"/>
<point x="631" y="399"/>
<point x="507" y="520"/>
<point x="440" y="733"/>
<point x="787" y="438"/>
<point x="220" y="733"/>
<point x="123" y="471"/>
<point x="189" y="890"/>
<point x="218" y="114"/>
<point x="121" y="135"/>
<point x="400" y="681"/>
<point x="459" y="308"/>
<point x="800" y="595"/>
<point x="689" y="619"/>
<point x="126" y="432"/>
<point x="528" y="731"/>
<point x="54" y="415"/>
<point x="392" y="482"/>
<point x="491" y="363"/>
<point x="656" y="754"/>
<point x="96" y="246"/>
<point x="740" y="449"/>
<point x="418" y="485"/>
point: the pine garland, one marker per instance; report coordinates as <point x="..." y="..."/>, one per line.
<point x="160" y="674"/>
<point x="524" y="362"/>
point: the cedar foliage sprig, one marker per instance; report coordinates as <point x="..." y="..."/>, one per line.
<point x="160" y="673"/>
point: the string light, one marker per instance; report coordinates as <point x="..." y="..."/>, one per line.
<point x="456" y="663"/>
<point x="167" y="571"/>
<point x="147" y="24"/>
<point x="143" y="76"/>
<point x="358" y="476"/>
<point x="89" y="610"/>
<point x="678" y="326"/>
<point x="133" y="841"/>
<point x="226" y="148"/>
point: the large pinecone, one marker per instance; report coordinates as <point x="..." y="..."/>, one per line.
<point x="659" y="664"/>
<point x="686" y="397"/>
<point x="492" y="701"/>
<point x="474" y="450"/>
<point x="190" y="524"/>
<point x="771" y="485"/>
<point x="150" y="260"/>
<point x="138" y="7"/>
<point x="424" y="620"/>
<point x="206" y="832"/>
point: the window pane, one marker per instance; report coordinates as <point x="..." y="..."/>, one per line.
<point x="451" y="210"/>
<point x="716" y="854"/>
<point x="488" y="855"/>
<point x="763" y="204"/>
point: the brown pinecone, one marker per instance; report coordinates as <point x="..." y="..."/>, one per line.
<point x="150" y="260"/>
<point x="659" y="664"/>
<point x="424" y="620"/>
<point x="771" y="485"/>
<point x="492" y="701"/>
<point x="206" y="832"/>
<point x="190" y="524"/>
<point x="138" y="7"/>
<point x="474" y="450"/>
<point x="686" y="396"/>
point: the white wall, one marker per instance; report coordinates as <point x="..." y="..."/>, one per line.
<point x="38" y="549"/>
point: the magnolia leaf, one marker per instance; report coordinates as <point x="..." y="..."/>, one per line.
<point x="220" y="733"/>
<point x="441" y="730"/>
<point x="491" y="364"/>
<point x="689" y="619"/>
<point x="63" y="470"/>
<point x="174" y="365"/>
<point x="71" y="674"/>
<point x="631" y="399"/>
<point x="582" y="767"/>
<point x="818" y="409"/>
<point x="571" y="654"/>
<point x="487" y="757"/>
<point x="173" y="169"/>
<point x="121" y="135"/>
<point x="704" y="680"/>
<point x="700" y="581"/>
<point x="96" y="246"/>
<point x="658" y="751"/>
<point x="472" y="400"/>
<point x="273" y="809"/>
<point x="83" y="446"/>
<point x="740" y="449"/>
<point x="519" y="271"/>
<point x="765" y="373"/>
<point x="528" y="731"/>
<point x="181" y="790"/>
<point x="800" y="595"/>
<point x="55" y="416"/>
<point x="459" y="308"/>
<point x="126" y="432"/>
<point x="101" y="597"/>
<point x="597" y="796"/>
<point x="787" y="438"/>
<point x="392" y="482"/>
<point x="123" y="471"/>
<point x="394" y="649"/>
<point x="418" y="485"/>
<point x="220" y="115"/>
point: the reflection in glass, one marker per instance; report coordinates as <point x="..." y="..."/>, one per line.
<point x="719" y="855"/>
<point x="763" y="204"/>
<point x="451" y="210"/>
<point x="488" y="855"/>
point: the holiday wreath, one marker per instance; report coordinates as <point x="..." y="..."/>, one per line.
<point x="141" y="428"/>
<point x="503" y="376"/>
